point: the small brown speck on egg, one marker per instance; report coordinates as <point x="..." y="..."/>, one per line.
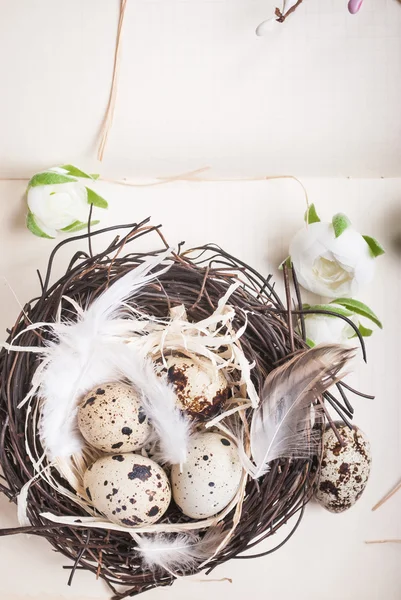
<point x="90" y="401"/>
<point x="132" y="522"/>
<point x="117" y="445"/>
<point x="141" y="472"/>
<point x="141" y="415"/>
<point x="153" y="511"/>
<point x="113" y="492"/>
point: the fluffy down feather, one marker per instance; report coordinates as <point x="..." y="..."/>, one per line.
<point x="172" y="428"/>
<point x="177" y="553"/>
<point x="85" y="354"/>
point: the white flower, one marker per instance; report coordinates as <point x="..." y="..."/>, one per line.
<point x="58" y="206"/>
<point x="58" y="201"/>
<point x="331" y="266"/>
<point x="324" y="329"/>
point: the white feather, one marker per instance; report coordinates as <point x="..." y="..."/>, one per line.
<point x="177" y="553"/>
<point x="171" y="426"/>
<point x="280" y="426"/>
<point x="81" y="357"/>
<point x="112" y="340"/>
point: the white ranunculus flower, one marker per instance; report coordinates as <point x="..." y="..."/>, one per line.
<point x="331" y="266"/>
<point x="58" y="206"/>
<point x="59" y="200"/>
<point x="323" y="329"/>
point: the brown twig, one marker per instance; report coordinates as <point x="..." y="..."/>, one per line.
<point x="89" y="232"/>
<point x="99" y="567"/>
<point x="282" y="17"/>
<point x="331" y="422"/>
<point x="199" y="298"/>
<point x="289" y="313"/>
<point x="356" y="392"/>
<point x="299" y="299"/>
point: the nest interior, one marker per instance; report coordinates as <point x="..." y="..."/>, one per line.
<point x="197" y="279"/>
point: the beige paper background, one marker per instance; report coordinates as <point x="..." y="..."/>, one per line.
<point x="321" y="99"/>
<point x="197" y="87"/>
<point x="327" y="558"/>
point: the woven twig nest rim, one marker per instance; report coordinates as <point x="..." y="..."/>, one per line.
<point x="198" y="279"/>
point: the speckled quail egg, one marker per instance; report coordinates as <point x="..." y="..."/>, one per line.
<point x="110" y="418"/>
<point x="200" y="388"/>
<point x="345" y="469"/>
<point x="128" y="489"/>
<point x="209" y="478"/>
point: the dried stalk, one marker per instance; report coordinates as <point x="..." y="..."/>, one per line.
<point x="108" y="119"/>
<point x="387" y="496"/>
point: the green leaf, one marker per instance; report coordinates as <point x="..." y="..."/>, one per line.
<point x="76" y="172"/>
<point x="78" y="226"/>
<point x="34" y="228"/>
<point x="334" y="309"/>
<point x="310" y="343"/>
<point x="49" y="178"/>
<point x="311" y="215"/>
<point x="364" y="331"/>
<point x="340" y="223"/>
<point x="95" y="176"/>
<point x="359" y="308"/>
<point x="286" y="261"/>
<point x="375" y="247"/>
<point x="95" y="199"/>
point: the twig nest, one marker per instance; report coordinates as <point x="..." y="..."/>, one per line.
<point x="199" y="280"/>
<point x="128" y="489"/>
<point x="111" y="418"/>
<point x="344" y="470"/>
<point x="201" y="389"/>
<point x="209" y="479"/>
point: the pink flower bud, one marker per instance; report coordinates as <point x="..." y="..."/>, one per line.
<point x="354" y="6"/>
